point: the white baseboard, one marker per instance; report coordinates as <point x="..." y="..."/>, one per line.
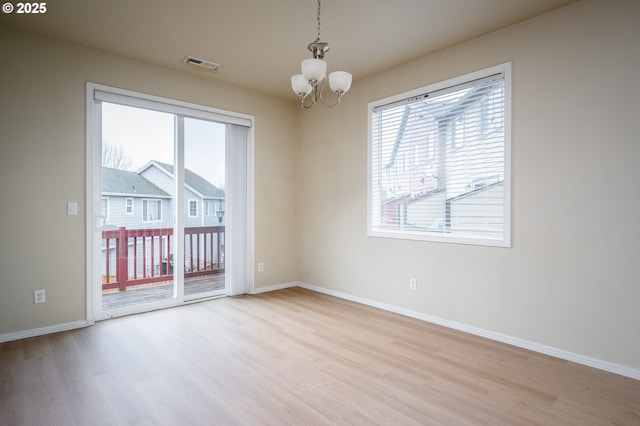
<point x="273" y="288"/>
<point x="42" y="331"/>
<point x="536" y="347"/>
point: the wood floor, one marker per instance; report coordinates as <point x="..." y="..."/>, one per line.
<point x="295" y="357"/>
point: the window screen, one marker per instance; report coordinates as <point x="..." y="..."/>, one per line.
<point x="439" y="161"/>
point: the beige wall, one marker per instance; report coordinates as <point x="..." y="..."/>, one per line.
<point x="571" y="278"/>
<point x="42" y="167"/>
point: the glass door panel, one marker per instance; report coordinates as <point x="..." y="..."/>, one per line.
<point x="204" y="210"/>
<point x="138" y="199"/>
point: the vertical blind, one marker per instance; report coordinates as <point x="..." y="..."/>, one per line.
<point x="438" y="164"/>
<point x="240" y="232"/>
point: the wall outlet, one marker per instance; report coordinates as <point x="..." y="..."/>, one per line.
<point x="39" y="296"/>
<point x="261" y="267"/>
<point x="413" y="284"/>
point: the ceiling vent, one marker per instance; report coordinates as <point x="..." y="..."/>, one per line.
<point x="212" y="66"/>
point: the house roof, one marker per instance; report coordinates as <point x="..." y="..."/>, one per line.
<point x="195" y="182"/>
<point x="123" y="182"/>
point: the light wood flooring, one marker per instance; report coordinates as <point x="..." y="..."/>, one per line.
<point x="296" y="357"/>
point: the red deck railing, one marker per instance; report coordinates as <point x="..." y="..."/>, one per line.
<point x="144" y="256"/>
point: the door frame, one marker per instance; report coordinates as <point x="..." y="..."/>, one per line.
<point x="244" y="223"/>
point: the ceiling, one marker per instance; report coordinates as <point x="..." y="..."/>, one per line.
<point x="260" y="43"/>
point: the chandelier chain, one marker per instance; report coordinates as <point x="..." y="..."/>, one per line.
<point x="318" y="20"/>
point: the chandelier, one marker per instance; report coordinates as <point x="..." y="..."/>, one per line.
<point x="310" y="83"/>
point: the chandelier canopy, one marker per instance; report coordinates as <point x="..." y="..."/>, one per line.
<point x="310" y="83"/>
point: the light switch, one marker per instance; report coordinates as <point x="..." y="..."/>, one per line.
<point x="72" y="208"/>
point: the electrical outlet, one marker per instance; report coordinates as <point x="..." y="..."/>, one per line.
<point x="39" y="296"/>
<point x="261" y="267"/>
<point x="413" y="284"/>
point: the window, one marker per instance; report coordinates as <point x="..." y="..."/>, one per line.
<point x="209" y="208"/>
<point x="429" y="149"/>
<point x="151" y="210"/>
<point x="128" y="205"/>
<point x="193" y="208"/>
<point x="460" y="190"/>
<point x="105" y="208"/>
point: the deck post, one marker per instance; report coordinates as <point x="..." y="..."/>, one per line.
<point x="122" y="255"/>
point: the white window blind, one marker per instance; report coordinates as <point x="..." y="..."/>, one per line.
<point x="439" y="161"/>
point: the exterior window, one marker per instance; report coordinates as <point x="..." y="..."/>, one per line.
<point x="429" y="148"/>
<point x="105" y="208"/>
<point x="128" y="205"/>
<point x="458" y="133"/>
<point x="210" y="208"/>
<point x="492" y="113"/>
<point x="460" y="190"/>
<point x="151" y="210"/>
<point x="193" y="208"/>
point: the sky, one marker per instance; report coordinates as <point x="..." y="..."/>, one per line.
<point x="145" y="135"/>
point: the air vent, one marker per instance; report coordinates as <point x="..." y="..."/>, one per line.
<point x="202" y="63"/>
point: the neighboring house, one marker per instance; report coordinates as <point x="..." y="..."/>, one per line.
<point x="431" y="173"/>
<point x="144" y="200"/>
<point x="132" y="201"/>
<point x="203" y="201"/>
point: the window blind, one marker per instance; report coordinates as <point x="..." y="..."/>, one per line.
<point x="438" y="163"/>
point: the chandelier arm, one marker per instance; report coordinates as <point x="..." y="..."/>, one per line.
<point x="313" y="99"/>
<point x="302" y="99"/>
<point x="330" y="106"/>
<point x="339" y="95"/>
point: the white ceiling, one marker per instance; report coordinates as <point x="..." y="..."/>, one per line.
<point x="260" y="43"/>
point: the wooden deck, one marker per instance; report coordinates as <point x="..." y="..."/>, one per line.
<point x="160" y="291"/>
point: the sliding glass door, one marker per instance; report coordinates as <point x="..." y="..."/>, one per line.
<point x="137" y="207"/>
<point x="160" y="202"/>
<point x="205" y="207"/>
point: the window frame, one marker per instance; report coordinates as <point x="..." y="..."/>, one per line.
<point x="158" y="201"/>
<point x="128" y="209"/>
<point x="194" y="202"/>
<point x="374" y="230"/>
<point x="210" y="208"/>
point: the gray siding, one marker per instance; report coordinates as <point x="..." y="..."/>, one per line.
<point x="479" y="212"/>
<point x="118" y="216"/>
<point x="166" y="183"/>
<point x="161" y="179"/>
<point x="427" y="213"/>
